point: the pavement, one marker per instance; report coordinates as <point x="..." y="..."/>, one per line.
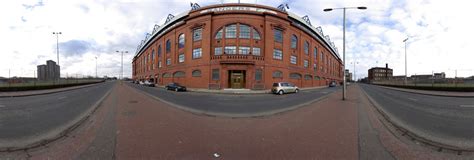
<point x="40" y="92"/>
<point x="434" y="93"/>
<point x="130" y="124"/>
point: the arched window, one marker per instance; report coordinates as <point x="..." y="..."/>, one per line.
<point x="181" y="40"/>
<point x="178" y="74"/>
<point x="168" y="46"/>
<point x="152" y="55"/>
<point x="278" y="35"/>
<point x="159" y="51"/>
<point x="218" y="34"/>
<point x="256" y="35"/>
<point x="295" y="76"/>
<point x="294" y="41"/>
<point x="277" y="74"/>
<point x="231" y="31"/>
<point x="308" y="77"/>
<point x="166" y="75"/>
<point x="306" y="47"/>
<point x="244" y="31"/>
<point x="196" y="73"/>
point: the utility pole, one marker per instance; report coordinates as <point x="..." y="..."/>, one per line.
<point x="405" y="41"/>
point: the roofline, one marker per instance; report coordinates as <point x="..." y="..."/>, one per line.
<point x="157" y="32"/>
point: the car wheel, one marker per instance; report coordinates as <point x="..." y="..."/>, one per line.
<point x="166" y="88"/>
<point x="280" y="92"/>
<point x="176" y="89"/>
<point x="297" y="90"/>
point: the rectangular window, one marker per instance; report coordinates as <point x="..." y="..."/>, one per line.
<point x="258" y="75"/>
<point x="315" y="67"/>
<point x="315" y="52"/>
<point x="215" y="74"/>
<point x="293" y="59"/>
<point x="159" y="64"/>
<point x="218" y="51"/>
<point x="244" y="50"/>
<point x="306" y="64"/>
<point x="197" y="34"/>
<point x="230" y="50"/>
<point x="230" y="31"/>
<point x="197" y="53"/>
<point x="244" y="31"/>
<point x="256" y="51"/>
<point x="181" y="58"/>
<point x="306" y="48"/>
<point x="322" y="57"/>
<point x="168" y="61"/>
<point x="277" y="54"/>
<point x="278" y="35"/>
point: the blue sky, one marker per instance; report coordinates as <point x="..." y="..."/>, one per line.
<point x="439" y="33"/>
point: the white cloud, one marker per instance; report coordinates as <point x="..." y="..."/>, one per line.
<point x="439" y="32"/>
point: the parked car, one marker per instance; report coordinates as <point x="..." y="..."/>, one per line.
<point x="175" y="87"/>
<point x="284" y="87"/>
<point x="332" y="84"/>
<point x="140" y="82"/>
<point x="149" y="84"/>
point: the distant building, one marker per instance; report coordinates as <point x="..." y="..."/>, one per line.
<point x="441" y="75"/>
<point x="380" y="73"/>
<point x="47" y="72"/>
<point x="422" y="76"/>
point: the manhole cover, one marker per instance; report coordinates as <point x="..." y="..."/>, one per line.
<point x="132" y="101"/>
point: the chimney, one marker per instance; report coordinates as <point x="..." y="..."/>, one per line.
<point x="386" y="65"/>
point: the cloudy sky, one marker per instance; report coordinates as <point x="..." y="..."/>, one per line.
<point x="439" y="33"/>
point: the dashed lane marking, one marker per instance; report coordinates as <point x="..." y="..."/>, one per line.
<point x="413" y="99"/>
<point x="62" y="97"/>
<point x="467" y="105"/>
<point x="1" y="106"/>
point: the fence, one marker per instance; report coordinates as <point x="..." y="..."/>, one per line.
<point x="27" y="82"/>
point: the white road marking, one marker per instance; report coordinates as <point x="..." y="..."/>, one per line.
<point x="324" y="92"/>
<point x="1" y="106"/>
<point x="62" y="97"/>
<point x="467" y="105"/>
<point x="413" y="99"/>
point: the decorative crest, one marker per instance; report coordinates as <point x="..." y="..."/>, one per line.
<point x="283" y="7"/>
<point x="306" y="19"/>
<point x="169" y="18"/>
<point x="194" y="6"/>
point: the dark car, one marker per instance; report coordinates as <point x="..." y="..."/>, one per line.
<point x="175" y="87"/>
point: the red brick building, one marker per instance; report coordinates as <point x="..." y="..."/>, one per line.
<point x="237" y="46"/>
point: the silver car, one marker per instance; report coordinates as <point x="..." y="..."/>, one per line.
<point x="284" y="87"/>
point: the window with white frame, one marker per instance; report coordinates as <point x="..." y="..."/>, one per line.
<point x="181" y="58"/>
<point x="256" y="35"/>
<point x="306" y="64"/>
<point x="244" y="50"/>
<point x="218" y="51"/>
<point x="293" y="59"/>
<point x="277" y="54"/>
<point x="244" y="31"/>
<point x="256" y="51"/>
<point x="181" y="40"/>
<point x="218" y="34"/>
<point x="197" y="53"/>
<point x="168" y="61"/>
<point x="230" y="50"/>
<point x="197" y="34"/>
<point x="231" y="31"/>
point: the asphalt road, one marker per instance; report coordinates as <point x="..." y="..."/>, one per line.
<point x="235" y="104"/>
<point x="440" y="117"/>
<point x="31" y="116"/>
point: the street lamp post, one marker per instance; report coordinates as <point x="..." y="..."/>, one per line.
<point x="96" y="67"/>
<point x="344" y="43"/>
<point x="405" y="41"/>
<point x="355" y="79"/>
<point x="121" y="69"/>
<point x="57" y="44"/>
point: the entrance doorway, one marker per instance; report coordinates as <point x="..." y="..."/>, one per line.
<point x="236" y="79"/>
